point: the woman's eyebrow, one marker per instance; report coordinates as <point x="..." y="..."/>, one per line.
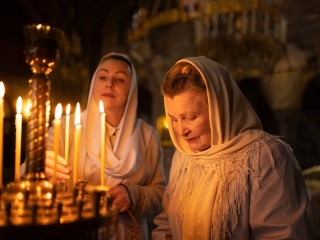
<point x="103" y="70"/>
<point x="106" y="70"/>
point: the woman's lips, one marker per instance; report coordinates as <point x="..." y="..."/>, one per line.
<point x="190" y="140"/>
<point x="107" y="95"/>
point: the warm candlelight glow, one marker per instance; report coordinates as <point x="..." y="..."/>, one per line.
<point x="58" y="112"/>
<point x="66" y="146"/>
<point x="19" y="105"/>
<point x="1" y="90"/>
<point x="101" y="107"/>
<point x="78" y="115"/>
<point x="1" y="131"/>
<point x="68" y="109"/>
<point x="56" y="146"/>
<point x="18" y="139"/>
<point x="103" y="140"/>
<point x="77" y="143"/>
<point x="26" y="109"/>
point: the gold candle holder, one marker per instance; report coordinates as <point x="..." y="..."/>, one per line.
<point x="42" y="52"/>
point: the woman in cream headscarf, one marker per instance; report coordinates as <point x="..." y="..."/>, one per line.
<point x="134" y="158"/>
<point x="229" y="179"/>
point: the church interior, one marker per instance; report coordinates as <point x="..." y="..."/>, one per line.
<point x="271" y="47"/>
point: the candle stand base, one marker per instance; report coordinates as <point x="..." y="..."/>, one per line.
<point x="45" y="210"/>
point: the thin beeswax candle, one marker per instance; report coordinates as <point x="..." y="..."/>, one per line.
<point x="18" y="139"/>
<point x="66" y="147"/>
<point x="1" y="131"/>
<point x="56" y="143"/>
<point x="103" y="140"/>
<point x="77" y="144"/>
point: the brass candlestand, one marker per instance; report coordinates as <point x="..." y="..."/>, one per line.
<point x="36" y="207"/>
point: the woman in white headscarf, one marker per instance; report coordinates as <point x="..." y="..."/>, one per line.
<point x="229" y="179"/>
<point x="134" y="158"/>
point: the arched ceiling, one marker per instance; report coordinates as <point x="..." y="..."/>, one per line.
<point x="86" y="18"/>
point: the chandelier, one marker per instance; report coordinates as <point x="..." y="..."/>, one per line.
<point x="247" y="36"/>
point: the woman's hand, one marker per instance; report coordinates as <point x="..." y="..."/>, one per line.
<point x="63" y="170"/>
<point x="120" y="197"/>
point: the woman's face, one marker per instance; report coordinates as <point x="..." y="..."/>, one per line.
<point x="112" y="84"/>
<point x="190" y="118"/>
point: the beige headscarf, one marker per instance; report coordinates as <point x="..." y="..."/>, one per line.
<point x="233" y="121"/>
<point x="211" y="189"/>
<point x="121" y="160"/>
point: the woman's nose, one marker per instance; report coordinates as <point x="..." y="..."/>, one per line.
<point x="109" y="82"/>
<point x="182" y="130"/>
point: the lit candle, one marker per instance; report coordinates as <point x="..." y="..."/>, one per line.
<point x="56" y="143"/>
<point x="66" y="146"/>
<point x="18" y="139"/>
<point x="77" y="144"/>
<point x="103" y="139"/>
<point x="1" y="130"/>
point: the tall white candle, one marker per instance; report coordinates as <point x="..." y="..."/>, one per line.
<point x="56" y="143"/>
<point x="18" y="139"/>
<point x="77" y="144"/>
<point x="103" y="140"/>
<point x="66" y="146"/>
<point x="1" y="131"/>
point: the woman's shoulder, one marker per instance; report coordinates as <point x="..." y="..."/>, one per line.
<point x="272" y="152"/>
<point x="272" y="144"/>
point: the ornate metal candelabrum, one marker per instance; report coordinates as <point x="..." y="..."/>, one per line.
<point x="42" y="52"/>
<point x="36" y="207"/>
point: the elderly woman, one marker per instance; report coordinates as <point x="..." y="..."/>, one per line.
<point x="134" y="158"/>
<point x="229" y="179"/>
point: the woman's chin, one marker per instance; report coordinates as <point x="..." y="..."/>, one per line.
<point x="197" y="147"/>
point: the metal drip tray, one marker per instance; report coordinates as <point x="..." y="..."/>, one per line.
<point x="43" y="210"/>
<point x="102" y="228"/>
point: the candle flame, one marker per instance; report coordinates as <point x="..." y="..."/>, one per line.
<point x="27" y="108"/>
<point x="58" y="112"/>
<point x="101" y="107"/>
<point x="68" y="109"/>
<point x="19" y="105"/>
<point x="1" y="89"/>
<point x="77" y="117"/>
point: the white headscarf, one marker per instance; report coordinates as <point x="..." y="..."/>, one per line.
<point x="121" y="160"/>
<point x="233" y="121"/>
